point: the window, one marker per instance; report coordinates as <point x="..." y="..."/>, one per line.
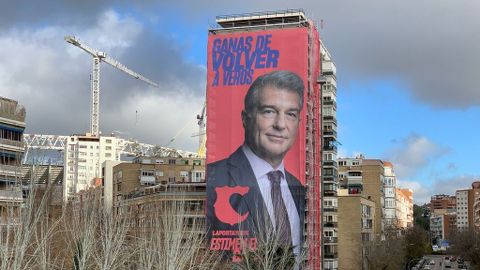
<point x="160" y="161"/>
<point x="183" y="173"/>
<point x="171" y="161"/>
<point x="107" y="155"/>
<point x="197" y="162"/>
<point x="159" y="173"/>
<point x="108" y="141"/>
<point x="108" y="148"/>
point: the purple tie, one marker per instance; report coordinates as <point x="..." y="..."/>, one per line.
<point x="282" y="223"/>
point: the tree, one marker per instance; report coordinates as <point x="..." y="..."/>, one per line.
<point x="467" y="245"/>
<point x="416" y="242"/>
<point x="386" y="254"/>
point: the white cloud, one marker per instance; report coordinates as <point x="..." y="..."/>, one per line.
<point x="421" y="193"/>
<point x="51" y="79"/>
<point x="412" y="154"/>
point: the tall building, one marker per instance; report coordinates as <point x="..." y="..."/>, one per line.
<point x="464" y="209"/>
<point x="328" y="84"/>
<point x="404" y="208"/>
<point x="476" y="204"/>
<point x="284" y="23"/>
<point x="390" y="185"/>
<point x="356" y="226"/>
<point x="12" y="125"/>
<point x="366" y="177"/>
<point x="84" y="156"/>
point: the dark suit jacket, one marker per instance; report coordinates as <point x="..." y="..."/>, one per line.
<point x="236" y="171"/>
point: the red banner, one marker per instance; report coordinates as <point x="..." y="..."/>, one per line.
<point x="273" y="60"/>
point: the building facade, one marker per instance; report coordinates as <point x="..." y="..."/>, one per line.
<point x="356" y="226"/>
<point x="390" y="185"/>
<point x="366" y="177"/>
<point x="12" y="125"/>
<point x="154" y="171"/>
<point x="404" y="208"/>
<point x="476" y="204"/>
<point x="83" y="158"/>
<point x="328" y="84"/>
<point x="463" y="209"/>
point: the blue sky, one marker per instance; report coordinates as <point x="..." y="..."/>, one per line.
<point x="407" y="75"/>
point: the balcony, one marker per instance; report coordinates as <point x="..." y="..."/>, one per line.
<point x="354" y="180"/>
<point x="330" y="239"/>
<point x="330" y="148"/>
<point x="330" y="163"/>
<point x="331" y="133"/>
<point x="17" y="144"/>
<point x="330" y="209"/>
<point x="329" y="102"/>
<point x="12" y="195"/>
<point x="330" y="224"/>
<point x="330" y="255"/>
<point x="329" y="193"/>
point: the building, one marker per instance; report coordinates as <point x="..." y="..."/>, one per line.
<point x="328" y="84"/>
<point x="107" y="182"/>
<point x="442" y="224"/>
<point x="356" y="226"/>
<point x="129" y="178"/>
<point x="389" y="186"/>
<point x="84" y="156"/>
<point x="442" y="201"/>
<point x="476" y="204"/>
<point x="366" y="177"/>
<point x="464" y="209"/>
<point x="285" y="22"/>
<point x="12" y="125"/>
<point x="404" y="208"/>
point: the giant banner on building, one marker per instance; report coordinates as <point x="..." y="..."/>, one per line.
<point x="256" y="141"/>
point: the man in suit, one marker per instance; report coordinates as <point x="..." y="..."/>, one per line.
<point x="250" y="192"/>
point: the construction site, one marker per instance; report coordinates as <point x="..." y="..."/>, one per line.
<point x="127" y="174"/>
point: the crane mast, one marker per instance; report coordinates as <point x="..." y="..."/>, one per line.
<point x="99" y="57"/>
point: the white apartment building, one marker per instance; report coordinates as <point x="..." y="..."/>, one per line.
<point x="462" y="209"/>
<point x="389" y="185"/>
<point x="84" y="156"/>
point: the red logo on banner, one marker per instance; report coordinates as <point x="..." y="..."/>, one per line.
<point x="223" y="209"/>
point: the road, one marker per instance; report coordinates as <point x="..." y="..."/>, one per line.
<point x="440" y="262"/>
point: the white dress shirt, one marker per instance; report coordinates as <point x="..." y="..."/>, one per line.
<point x="261" y="168"/>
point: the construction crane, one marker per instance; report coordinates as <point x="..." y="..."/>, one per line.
<point x="98" y="57"/>
<point x="202" y="134"/>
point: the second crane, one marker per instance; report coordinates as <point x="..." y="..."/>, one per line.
<point x="98" y="57"/>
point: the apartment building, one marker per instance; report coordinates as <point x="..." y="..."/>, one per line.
<point x="84" y="156"/>
<point x="328" y="83"/>
<point x="12" y="125"/>
<point x="366" y="177"/>
<point x="476" y="204"/>
<point x="404" y="208"/>
<point x="356" y="226"/>
<point x="153" y="171"/>
<point x="442" y="201"/>
<point x="442" y="224"/>
<point x="464" y="209"/>
<point x="390" y="185"/>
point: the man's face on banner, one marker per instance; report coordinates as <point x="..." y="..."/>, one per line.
<point x="272" y="126"/>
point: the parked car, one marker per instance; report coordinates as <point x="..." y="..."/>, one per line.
<point x="426" y="267"/>
<point x="432" y="262"/>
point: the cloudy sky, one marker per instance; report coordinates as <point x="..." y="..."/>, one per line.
<point x="407" y="75"/>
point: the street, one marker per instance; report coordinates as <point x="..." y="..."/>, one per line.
<point x="440" y="262"/>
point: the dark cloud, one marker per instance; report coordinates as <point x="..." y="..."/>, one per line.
<point x="431" y="45"/>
